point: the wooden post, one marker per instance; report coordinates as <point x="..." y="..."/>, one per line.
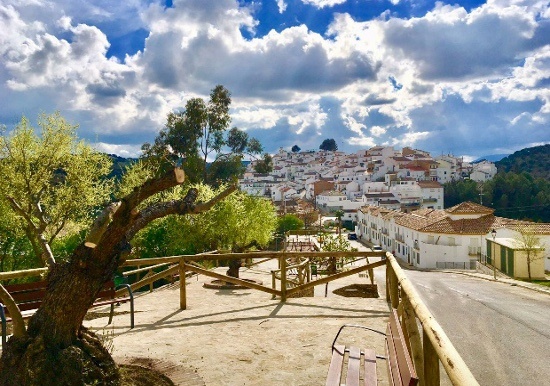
<point x="414" y="341"/>
<point x="388" y="274"/>
<point x="371" y="275"/>
<point x="282" y="260"/>
<point x="183" y="295"/>
<point x="431" y="363"/>
<point x="150" y="284"/>
<point x="394" y="290"/>
<point x="273" y="283"/>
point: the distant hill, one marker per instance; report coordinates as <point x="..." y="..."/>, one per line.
<point x="533" y="160"/>
<point x="491" y="158"/>
<point x="119" y="165"/>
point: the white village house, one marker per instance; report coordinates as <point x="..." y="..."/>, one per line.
<point x="455" y="237"/>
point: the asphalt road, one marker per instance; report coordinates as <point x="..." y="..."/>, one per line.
<point x="501" y="331"/>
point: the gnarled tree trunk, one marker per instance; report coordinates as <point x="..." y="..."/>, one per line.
<point x="56" y="349"/>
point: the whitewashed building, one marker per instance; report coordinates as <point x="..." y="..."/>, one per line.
<point x="451" y="238"/>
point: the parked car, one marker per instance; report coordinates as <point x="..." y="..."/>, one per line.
<point x="377" y="248"/>
<point x="352" y="236"/>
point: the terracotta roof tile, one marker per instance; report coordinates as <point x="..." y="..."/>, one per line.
<point x="469" y="207"/>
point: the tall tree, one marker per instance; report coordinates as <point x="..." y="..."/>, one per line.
<point x="199" y="136"/>
<point x="296" y="149"/>
<point x="51" y="181"/>
<point x="329" y="145"/>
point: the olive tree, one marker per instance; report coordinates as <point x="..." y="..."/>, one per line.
<point x="51" y="180"/>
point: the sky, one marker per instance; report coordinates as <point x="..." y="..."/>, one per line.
<point x="467" y="78"/>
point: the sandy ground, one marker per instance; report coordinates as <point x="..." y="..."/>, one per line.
<point x="244" y="337"/>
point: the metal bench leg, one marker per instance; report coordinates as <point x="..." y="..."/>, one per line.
<point x="4" y="327"/>
<point x="111" y="313"/>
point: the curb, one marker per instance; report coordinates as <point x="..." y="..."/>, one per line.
<point x="511" y="282"/>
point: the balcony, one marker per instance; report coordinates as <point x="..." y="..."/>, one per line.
<point x="399" y="238"/>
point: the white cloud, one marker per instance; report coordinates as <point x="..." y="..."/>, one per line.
<point x="323" y="3"/>
<point x="281" y="4"/>
<point x="452" y="77"/>
<point x="121" y="150"/>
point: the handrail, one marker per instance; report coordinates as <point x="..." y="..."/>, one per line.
<point x="22" y="273"/>
<point x="149" y="267"/>
<point x="440" y="348"/>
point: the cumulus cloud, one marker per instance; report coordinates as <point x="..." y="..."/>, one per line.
<point x="471" y="79"/>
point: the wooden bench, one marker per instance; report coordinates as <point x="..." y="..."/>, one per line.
<point x="28" y="297"/>
<point x="361" y="363"/>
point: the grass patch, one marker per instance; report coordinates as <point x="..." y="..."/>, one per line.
<point x="545" y="283"/>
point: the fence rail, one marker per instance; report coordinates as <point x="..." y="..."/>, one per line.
<point x="429" y="344"/>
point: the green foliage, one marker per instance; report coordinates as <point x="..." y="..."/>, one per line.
<point x="458" y="191"/>
<point x="336" y="243"/>
<point x="512" y="195"/>
<point x="52" y="181"/>
<point x="296" y="149"/>
<point x="15" y="249"/>
<point x="333" y="243"/>
<point x="289" y="222"/>
<point x="264" y="165"/>
<point x="236" y="223"/>
<point x="533" y="160"/>
<point x="199" y="133"/>
<point x="120" y="164"/>
<point x="329" y="145"/>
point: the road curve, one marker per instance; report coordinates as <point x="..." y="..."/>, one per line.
<point x="501" y="331"/>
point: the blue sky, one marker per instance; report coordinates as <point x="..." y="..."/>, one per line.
<point x="466" y="78"/>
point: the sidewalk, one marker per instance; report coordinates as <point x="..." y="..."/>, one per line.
<point x="504" y="280"/>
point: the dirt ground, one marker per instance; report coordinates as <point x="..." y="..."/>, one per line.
<point x="243" y="337"/>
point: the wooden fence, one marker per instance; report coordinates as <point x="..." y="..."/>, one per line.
<point x="429" y="347"/>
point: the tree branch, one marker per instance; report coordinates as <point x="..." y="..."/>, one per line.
<point x="17" y="208"/>
<point x="46" y="255"/>
<point x="18" y="323"/>
<point x="180" y="207"/>
<point x="100" y="224"/>
<point x="172" y="178"/>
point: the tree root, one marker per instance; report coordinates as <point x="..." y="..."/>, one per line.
<point x="29" y="362"/>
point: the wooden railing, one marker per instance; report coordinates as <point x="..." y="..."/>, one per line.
<point x="297" y="274"/>
<point x="433" y="347"/>
<point x="429" y="347"/>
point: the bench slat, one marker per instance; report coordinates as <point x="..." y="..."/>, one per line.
<point x="400" y="367"/>
<point x="14" y="288"/>
<point x="336" y="363"/>
<point x="371" y="379"/>
<point x="354" y="367"/>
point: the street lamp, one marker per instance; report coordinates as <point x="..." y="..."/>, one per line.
<point x="494" y="234"/>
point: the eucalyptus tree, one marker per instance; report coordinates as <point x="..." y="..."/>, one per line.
<point x="199" y="136"/>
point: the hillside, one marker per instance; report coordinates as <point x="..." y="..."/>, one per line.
<point x="533" y="160"/>
<point x="119" y="165"/>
